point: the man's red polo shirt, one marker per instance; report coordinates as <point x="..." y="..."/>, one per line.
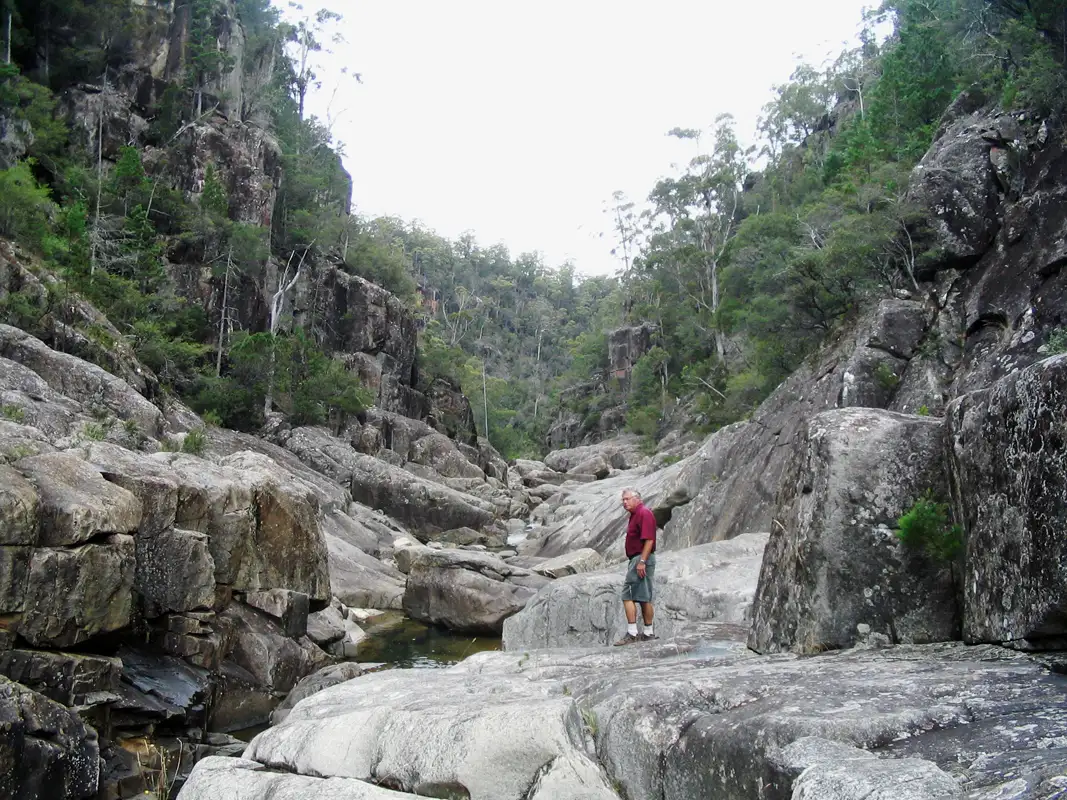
<point x="641" y="528"/>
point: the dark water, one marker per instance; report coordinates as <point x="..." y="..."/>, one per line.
<point x="395" y="641"/>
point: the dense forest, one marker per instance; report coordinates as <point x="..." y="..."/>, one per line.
<point x="745" y="260"/>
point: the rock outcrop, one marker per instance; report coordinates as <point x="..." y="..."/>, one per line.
<point x="834" y="568"/>
<point x="45" y="749"/>
<point x="1009" y="464"/>
<point x="691" y="717"/>
<point x="466" y="591"/>
<point x="712" y="582"/>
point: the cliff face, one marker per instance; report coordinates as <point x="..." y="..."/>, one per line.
<point x="958" y="385"/>
<point x="374" y="332"/>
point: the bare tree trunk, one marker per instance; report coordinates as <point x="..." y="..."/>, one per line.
<point x="225" y="312"/>
<point x="720" y="341"/>
<point x="7" y="49"/>
<point x="276" y="304"/>
<point x="485" y="402"/>
<point x="94" y="238"/>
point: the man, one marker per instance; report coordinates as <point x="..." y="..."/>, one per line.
<point x="640" y="550"/>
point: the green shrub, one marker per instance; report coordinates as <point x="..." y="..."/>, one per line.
<point x="95" y="432"/>
<point x="928" y="526"/>
<point x="885" y="376"/>
<point x="642" y="420"/>
<point x="24" y="206"/>
<point x="194" y="442"/>
<point x="13" y="413"/>
<point x="1057" y="341"/>
<point x="923" y="411"/>
<point x="212" y="418"/>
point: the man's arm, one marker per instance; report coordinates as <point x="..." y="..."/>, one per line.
<point x="648" y="534"/>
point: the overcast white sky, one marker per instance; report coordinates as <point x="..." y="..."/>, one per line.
<point x="517" y="120"/>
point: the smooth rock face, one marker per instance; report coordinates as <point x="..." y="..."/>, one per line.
<point x="482" y="737"/>
<point x="699" y="716"/>
<point x="360" y="580"/>
<point x="876" y="779"/>
<point x="76" y="504"/>
<point x="584" y="560"/>
<point x="314" y="683"/>
<point x="18" y="509"/>
<point x="45" y="750"/>
<point x="711" y="582"/>
<point x="466" y="591"/>
<point x="833" y="562"/>
<point x="241" y="779"/>
<point x="75" y="594"/>
<point x="1009" y="461"/>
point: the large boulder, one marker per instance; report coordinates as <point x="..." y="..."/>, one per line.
<point x="423" y="504"/>
<point x="833" y="563"/>
<point x="621" y="452"/>
<point x="148" y="478"/>
<point x="358" y="579"/>
<point x="261" y="646"/>
<point x="75" y="594"/>
<point x="81" y="381"/>
<point x="314" y="683"/>
<point x="711" y="582"/>
<point x="76" y="504"/>
<point x="466" y="591"/>
<point x="451" y="735"/>
<point x="439" y="453"/>
<point x="262" y="522"/>
<point x="698" y="716"/>
<point x="1009" y="460"/>
<point x="584" y="560"/>
<point x="241" y="779"/>
<point x="955" y="185"/>
<point x="45" y="749"/>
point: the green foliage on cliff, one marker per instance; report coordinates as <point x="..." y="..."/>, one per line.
<point x="745" y="260"/>
<point x="123" y="230"/>
<point x="928" y="526"/>
<point x="746" y="271"/>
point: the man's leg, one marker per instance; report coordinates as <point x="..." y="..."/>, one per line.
<point x="630" y="607"/>
<point x="647" y="614"/>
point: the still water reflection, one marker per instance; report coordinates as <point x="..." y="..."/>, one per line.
<point x="395" y="641"/>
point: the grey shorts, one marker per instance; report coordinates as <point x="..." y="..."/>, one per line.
<point x="636" y="589"/>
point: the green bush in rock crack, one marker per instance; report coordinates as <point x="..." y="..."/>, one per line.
<point x="928" y="526"/>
